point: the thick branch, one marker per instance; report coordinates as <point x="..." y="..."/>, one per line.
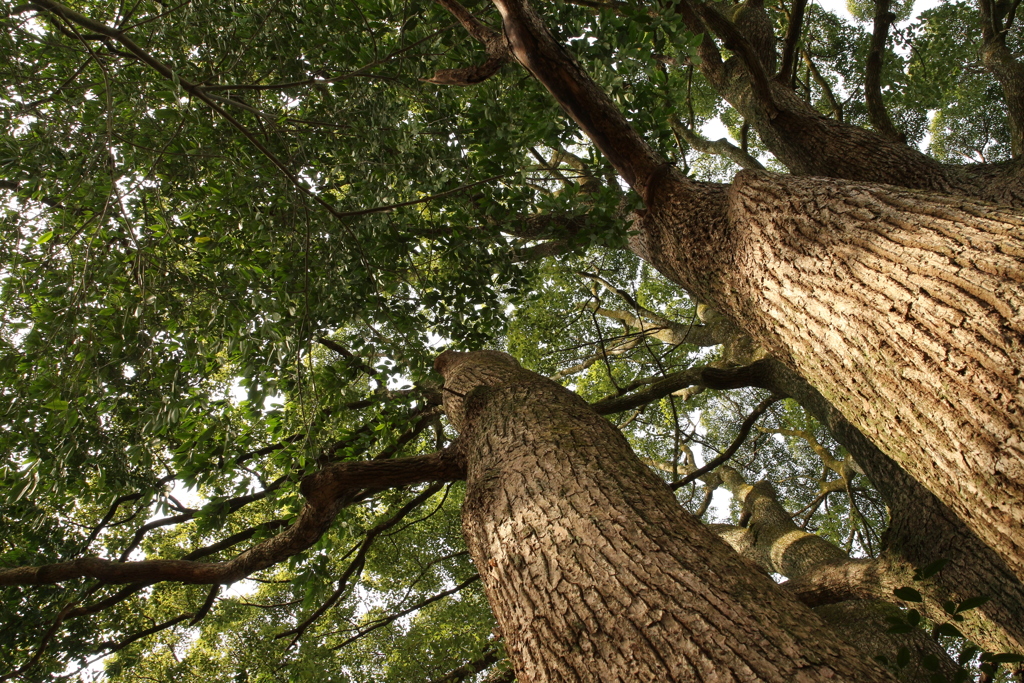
<point x="1000" y="61"/>
<point x="873" y="73"/>
<point x="326" y="493"/>
<point x="536" y="49"/>
<point x="738" y="43"/>
<point x="793" y="31"/>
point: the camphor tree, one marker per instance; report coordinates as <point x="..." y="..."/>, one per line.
<point x="297" y="201"/>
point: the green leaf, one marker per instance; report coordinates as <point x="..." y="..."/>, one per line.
<point x="1006" y="658"/>
<point x="908" y="594"/>
<point x="45" y="237"/>
<point x="931" y="569"/>
<point x="57" y="404"/>
<point x="902" y="657"/>
<point x="967" y="654"/>
<point x="972" y="603"/>
<point x="949" y="630"/>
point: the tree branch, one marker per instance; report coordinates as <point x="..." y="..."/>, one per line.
<point x="837" y="107"/>
<point x="355" y="567"/>
<point x="877" y="113"/>
<point x="720" y="147"/>
<point x="737" y="43"/>
<point x="326" y="493"/>
<point x="733" y="447"/>
<point x="398" y="615"/>
<point x="789" y="51"/>
<point x="498" y="54"/>
<point x="536" y="49"/>
<point x="753" y="375"/>
<point x="490" y="656"/>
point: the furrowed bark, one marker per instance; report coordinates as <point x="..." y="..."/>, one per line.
<point x="772" y="541"/>
<point x="921" y="530"/>
<point x="559" y="513"/>
<point x="904" y="310"/>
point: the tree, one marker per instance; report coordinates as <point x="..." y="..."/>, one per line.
<point x="207" y="198"/>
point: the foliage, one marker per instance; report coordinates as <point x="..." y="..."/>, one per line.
<point x="203" y="303"/>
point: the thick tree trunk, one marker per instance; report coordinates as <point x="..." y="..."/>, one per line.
<point x="921" y="530"/>
<point x="593" y="570"/>
<point x="904" y="310"/>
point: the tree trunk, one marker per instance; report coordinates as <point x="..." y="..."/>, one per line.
<point x="775" y="543"/>
<point x="921" y="530"/>
<point x="593" y="569"/>
<point x="904" y="310"/>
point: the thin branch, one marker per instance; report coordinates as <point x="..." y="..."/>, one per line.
<point x="355" y="567"/>
<point x="721" y="147"/>
<point x="334" y="79"/>
<point x="112" y="510"/>
<point x="398" y="615"/>
<point x="733" y="447"/>
<point x="826" y="88"/>
<point x="487" y="658"/>
<point x="753" y="375"/>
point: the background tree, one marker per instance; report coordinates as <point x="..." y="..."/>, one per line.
<point x="234" y="235"/>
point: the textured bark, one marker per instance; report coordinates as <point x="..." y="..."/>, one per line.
<point x="904" y="310"/>
<point x="776" y="544"/>
<point x="809" y="143"/>
<point x="770" y="537"/>
<point x="921" y="530"/>
<point x="593" y="570"/>
<point x="863" y="622"/>
<point x="1004" y="66"/>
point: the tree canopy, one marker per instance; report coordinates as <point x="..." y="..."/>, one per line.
<point x="236" y="235"/>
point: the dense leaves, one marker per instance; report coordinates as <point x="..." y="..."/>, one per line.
<point x="220" y="280"/>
